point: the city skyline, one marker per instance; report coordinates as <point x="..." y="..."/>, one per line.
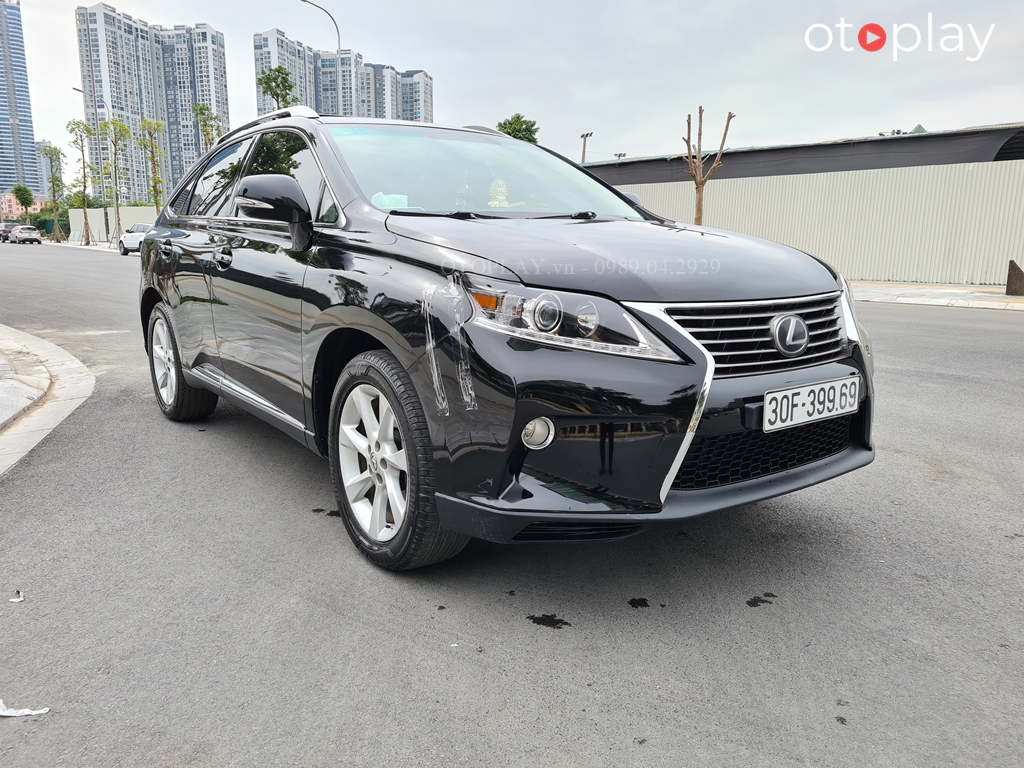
<point x="340" y="83"/>
<point x="632" y="84"/>
<point x="133" y="71"/>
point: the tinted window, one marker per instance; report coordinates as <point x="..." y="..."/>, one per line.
<point x="180" y="203"/>
<point x="287" y="153"/>
<point x="328" y="209"/>
<point x="215" y="183"/>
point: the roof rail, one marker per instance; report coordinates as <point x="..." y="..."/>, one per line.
<point x="297" y="111"/>
<point x="482" y="128"/>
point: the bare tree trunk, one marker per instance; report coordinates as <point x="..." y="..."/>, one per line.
<point x="695" y="161"/>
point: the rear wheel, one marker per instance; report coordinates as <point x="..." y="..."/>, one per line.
<point x="382" y="466"/>
<point x="178" y="400"/>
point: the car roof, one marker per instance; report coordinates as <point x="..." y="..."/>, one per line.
<point x="301" y="112"/>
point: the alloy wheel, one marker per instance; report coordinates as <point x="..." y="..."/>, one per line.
<point x="164" y="369"/>
<point x="373" y="463"/>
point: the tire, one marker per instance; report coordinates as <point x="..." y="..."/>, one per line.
<point x="177" y="399"/>
<point x="391" y="538"/>
<point x="121" y="248"/>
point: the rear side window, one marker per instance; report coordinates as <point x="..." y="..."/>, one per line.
<point x="180" y="203"/>
<point x="213" y="187"/>
<point x="284" y="152"/>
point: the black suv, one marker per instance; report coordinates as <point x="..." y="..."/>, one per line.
<point x="486" y="340"/>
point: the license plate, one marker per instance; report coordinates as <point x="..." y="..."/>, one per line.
<point x="789" y="407"/>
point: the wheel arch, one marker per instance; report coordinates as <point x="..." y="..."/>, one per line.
<point x="337" y="349"/>
<point x="150" y="298"/>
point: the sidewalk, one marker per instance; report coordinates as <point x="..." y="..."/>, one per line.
<point x="40" y="385"/>
<point x="973" y="296"/>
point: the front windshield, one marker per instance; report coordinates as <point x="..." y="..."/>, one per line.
<point x="433" y="170"/>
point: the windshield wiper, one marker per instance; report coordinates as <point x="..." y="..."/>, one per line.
<point x="449" y="215"/>
<point x="577" y="215"/>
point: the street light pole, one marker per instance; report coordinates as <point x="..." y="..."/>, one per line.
<point x="585" y="136"/>
<point x="337" y="67"/>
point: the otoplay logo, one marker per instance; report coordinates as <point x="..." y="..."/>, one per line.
<point x="905" y="38"/>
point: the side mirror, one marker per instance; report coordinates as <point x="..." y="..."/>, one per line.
<point x="634" y="198"/>
<point x="277" y="197"/>
<point x="273" y="197"/>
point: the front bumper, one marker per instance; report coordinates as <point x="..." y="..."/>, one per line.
<point x="505" y="520"/>
<point x="623" y="430"/>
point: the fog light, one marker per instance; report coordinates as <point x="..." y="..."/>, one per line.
<point x="539" y="433"/>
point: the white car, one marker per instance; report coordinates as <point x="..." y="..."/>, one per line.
<point x="25" y="234"/>
<point x="132" y="238"/>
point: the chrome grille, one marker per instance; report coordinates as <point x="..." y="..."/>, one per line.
<point x="738" y="334"/>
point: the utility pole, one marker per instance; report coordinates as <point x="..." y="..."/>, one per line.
<point x="585" y="136"/>
<point x="337" y="69"/>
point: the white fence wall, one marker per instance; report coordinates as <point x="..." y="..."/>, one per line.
<point x="98" y="222"/>
<point x="935" y="224"/>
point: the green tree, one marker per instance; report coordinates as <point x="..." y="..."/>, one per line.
<point x="209" y="123"/>
<point x="55" y="160"/>
<point x="518" y="127"/>
<point x="277" y="84"/>
<point x="149" y="142"/>
<point x="80" y="135"/>
<point x="24" y="197"/>
<point x="117" y="135"/>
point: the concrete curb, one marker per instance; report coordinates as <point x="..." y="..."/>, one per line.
<point x="969" y="296"/>
<point x="23" y="380"/>
<point x="36" y="366"/>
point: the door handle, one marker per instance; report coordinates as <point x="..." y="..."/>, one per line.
<point x="222" y="256"/>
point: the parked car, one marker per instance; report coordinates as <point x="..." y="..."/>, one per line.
<point x="132" y="238"/>
<point x="25" y="234"/>
<point x="5" y="230"/>
<point x="485" y="340"/>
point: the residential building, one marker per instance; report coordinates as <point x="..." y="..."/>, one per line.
<point x="11" y="210"/>
<point x="273" y="49"/>
<point x="417" y="96"/>
<point x="19" y="162"/>
<point x="339" y="83"/>
<point x="380" y="92"/>
<point x="133" y="70"/>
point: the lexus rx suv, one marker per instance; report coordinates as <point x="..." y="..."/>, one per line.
<point x="485" y="340"/>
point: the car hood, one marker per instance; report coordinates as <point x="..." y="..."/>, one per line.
<point x="628" y="260"/>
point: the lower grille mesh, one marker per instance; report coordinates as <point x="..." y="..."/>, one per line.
<point x="733" y="457"/>
<point x="575" y="531"/>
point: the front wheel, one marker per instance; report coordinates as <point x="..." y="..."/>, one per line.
<point x="382" y="466"/>
<point x="121" y="248"/>
<point x="177" y="399"/>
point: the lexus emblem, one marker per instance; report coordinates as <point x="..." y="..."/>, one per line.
<point x="790" y="334"/>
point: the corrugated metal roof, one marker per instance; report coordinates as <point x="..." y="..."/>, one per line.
<point x="832" y="142"/>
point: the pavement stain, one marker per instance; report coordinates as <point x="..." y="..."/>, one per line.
<point x="549" y="620"/>
<point x="639" y="602"/>
<point x="841" y="721"/>
<point x="757" y="600"/>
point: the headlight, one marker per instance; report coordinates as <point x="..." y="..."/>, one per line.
<point x="560" y="319"/>
<point x="854" y="330"/>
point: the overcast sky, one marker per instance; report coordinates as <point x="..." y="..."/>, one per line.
<point x="628" y="71"/>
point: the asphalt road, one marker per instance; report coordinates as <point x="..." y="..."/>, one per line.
<point x="187" y="602"/>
